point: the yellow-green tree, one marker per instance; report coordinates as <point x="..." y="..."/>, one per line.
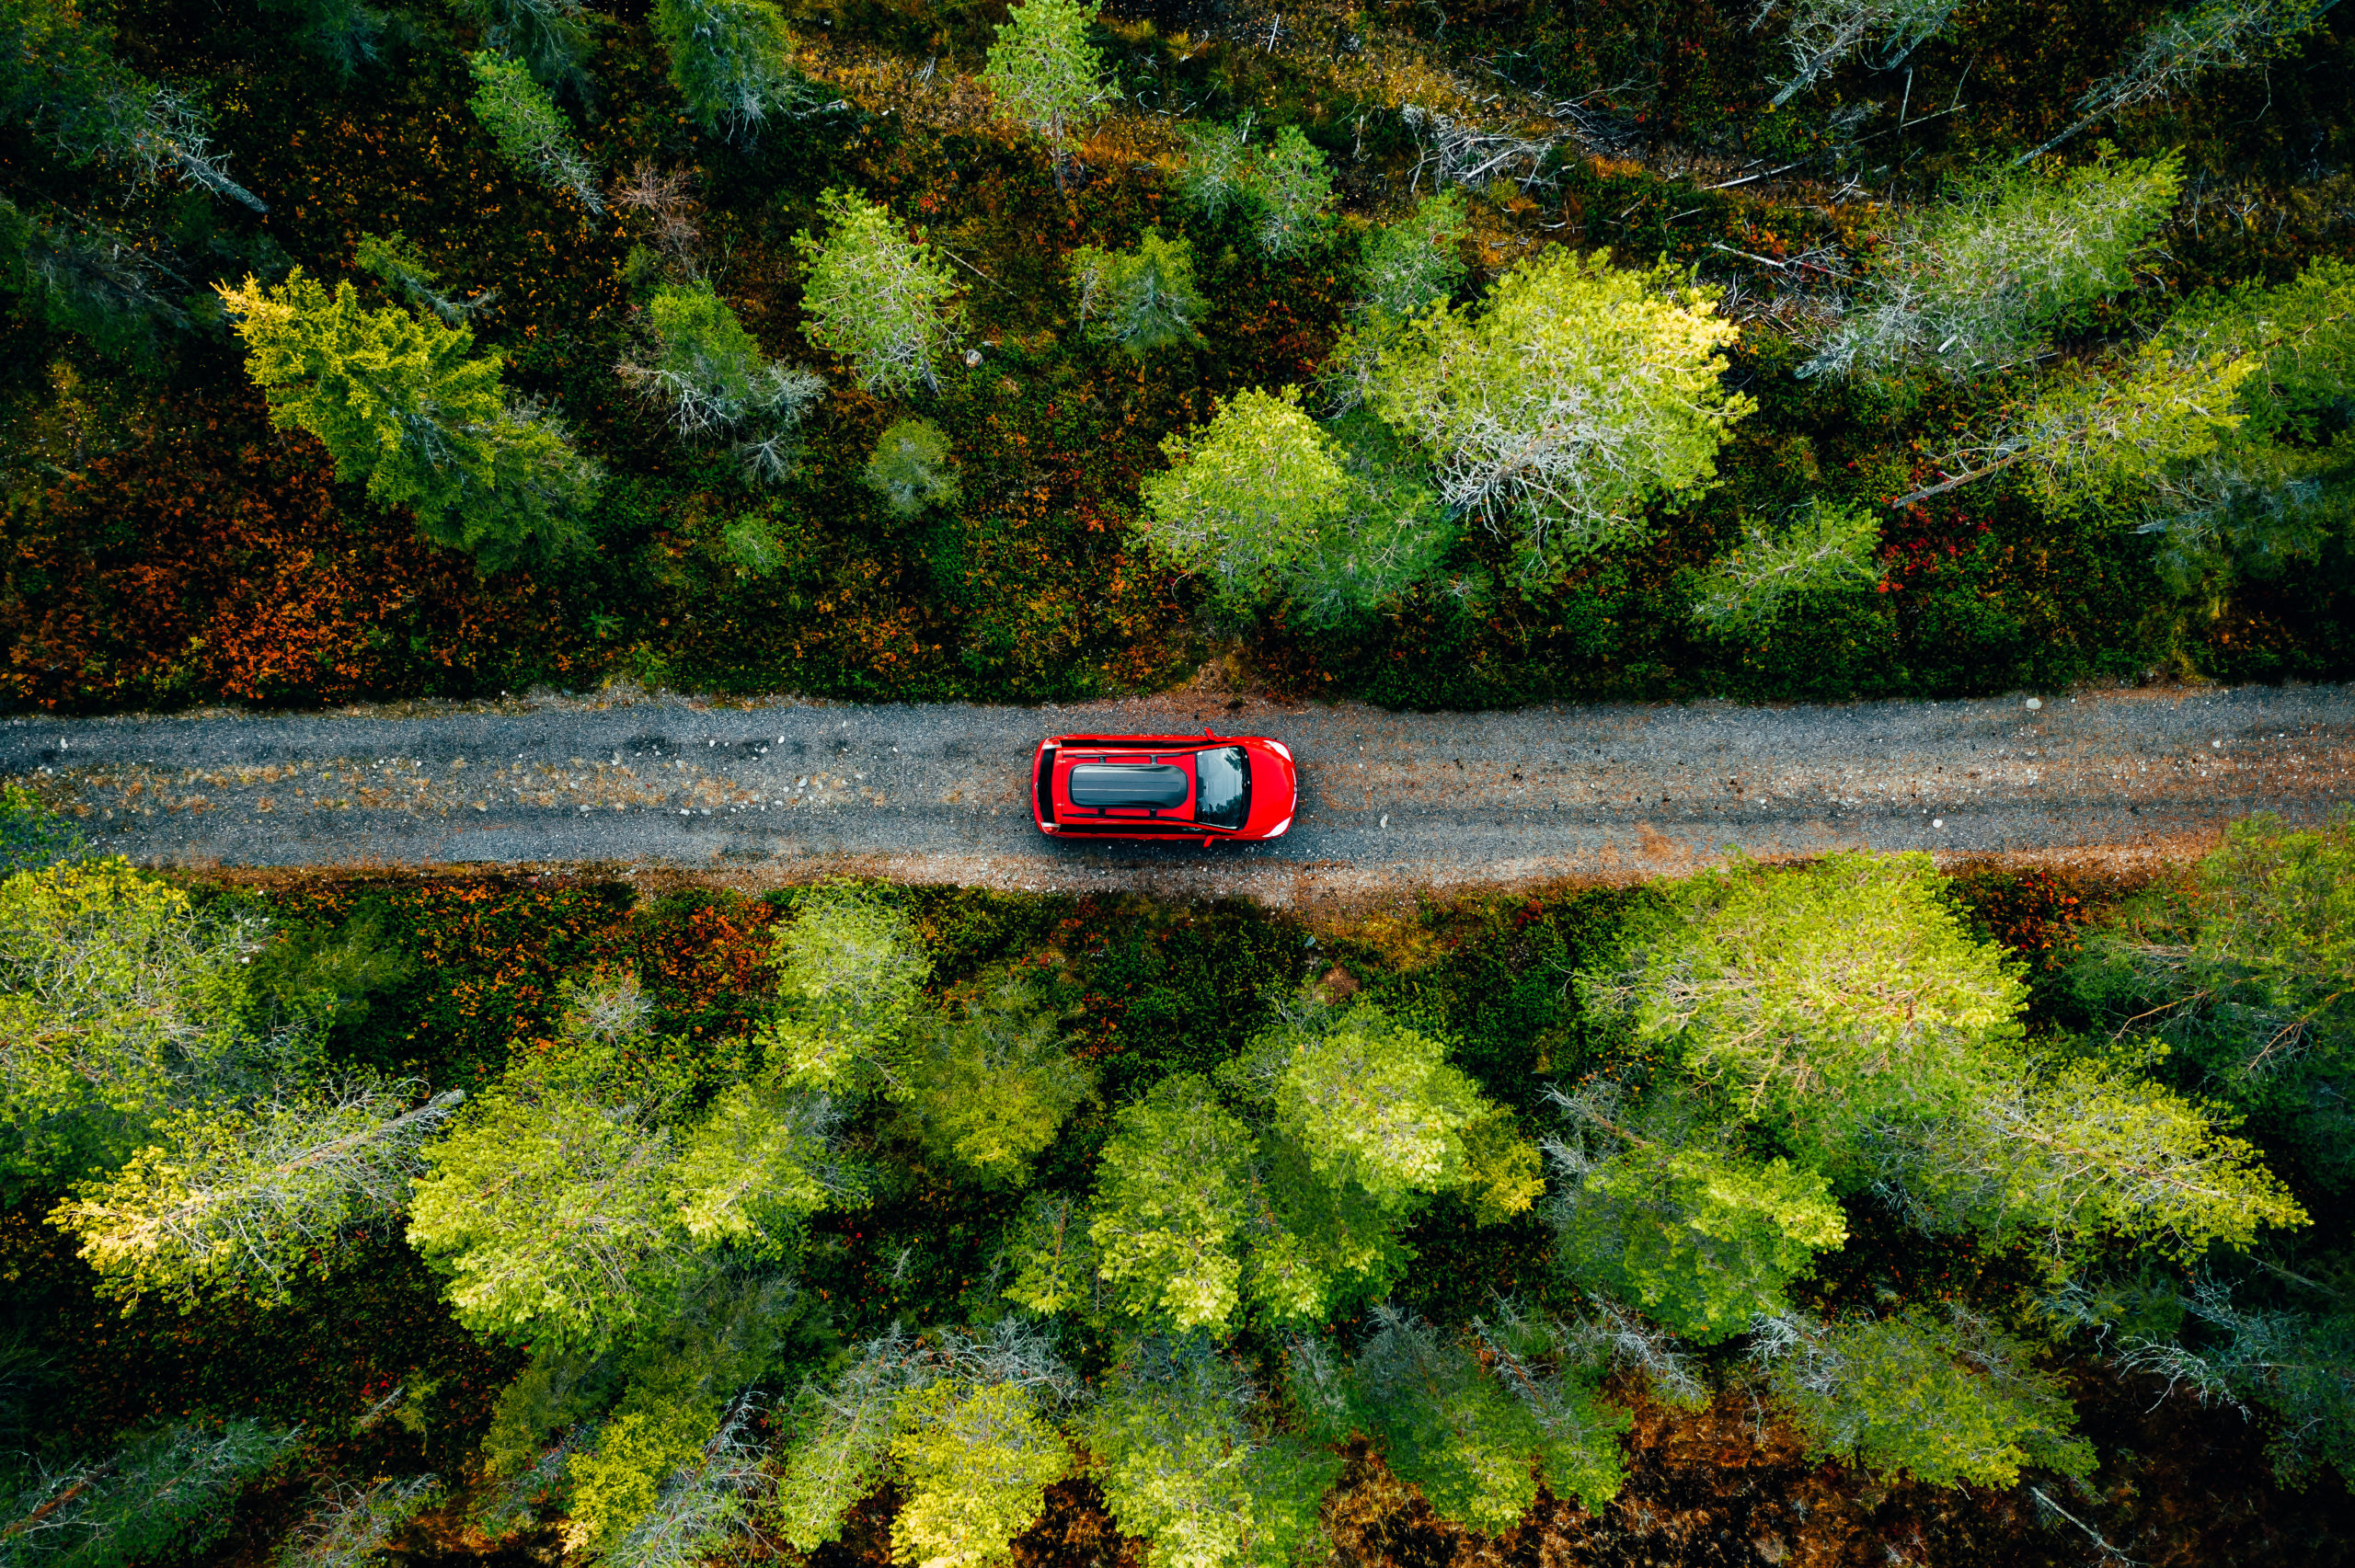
<point x="403" y="406"/>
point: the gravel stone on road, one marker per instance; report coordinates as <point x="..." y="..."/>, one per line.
<point x="760" y="792"/>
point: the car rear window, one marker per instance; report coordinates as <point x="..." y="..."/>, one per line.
<point x="1222" y="786"/>
<point x="1127" y="784"/>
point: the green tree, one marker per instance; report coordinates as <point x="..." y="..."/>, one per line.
<point x="1045" y="73"/>
<point x="1142" y="299"/>
<point x="549" y="1207"/>
<point x="911" y="468"/>
<point x="732" y="62"/>
<point x="2241" y="968"/>
<point x="1375" y="1106"/>
<point x="1173" y="1198"/>
<point x="851" y="974"/>
<point x="231" y="1196"/>
<point x="1409" y="266"/>
<point x="707" y="378"/>
<point x="2079" y="1152"/>
<point x="122" y="1004"/>
<point x="552" y="37"/>
<point x="1574" y="395"/>
<point x="350" y="1525"/>
<point x="165" y="1494"/>
<point x="343" y="35"/>
<point x="1475" y="1440"/>
<point x="1248" y="497"/>
<point x="532" y="132"/>
<point x="70" y="274"/>
<point x="1699" y="1237"/>
<point x="1829" y="999"/>
<point x="976" y="1460"/>
<point x="1949" y="1403"/>
<point x="1822" y="33"/>
<point x="875" y="296"/>
<point x="1826" y="547"/>
<point x="992" y="1082"/>
<point x="404" y="273"/>
<point x="1188" y="1462"/>
<point x="962" y="1427"/>
<point x="1219" y="173"/>
<point x="1292" y="189"/>
<point x="1281" y="190"/>
<point x="399" y="404"/>
<point x="2298" y="1366"/>
<point x="1976" y="281"/>
<point x="57" y="79"/>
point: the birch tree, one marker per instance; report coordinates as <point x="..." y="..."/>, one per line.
<point x="231" y="1196"/>
<point x="1045" y="73"/>
<point x="1409" y="266"/>
<point x="875" y="296"/>
<point x="1374" y="1104"/>
<point x="1572" y="396"/>
<point x="1975" y="282"/>
<point x="1173" y="1202"/>
<point x="530" y="131"/>
<point x="993" y="1082"/>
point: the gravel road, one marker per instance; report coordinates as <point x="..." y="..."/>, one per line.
<point x="758" y="792"/>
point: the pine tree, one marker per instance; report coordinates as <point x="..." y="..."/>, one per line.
<point x="911" y="468"/>
<point x="1575" y="394"/>
<point x="1142" y="299"/>
<point x="1949" y="1403"/>
<point x="1974" y="284"/>
<point x="532" y="132"/>
<point x="852" y="975"/>
<point x="399" y="404"/>
<point x="875" y="296"/>
<point x="733" y="61"/>
<point x="707" y="377"/>
<point x="1293" y="188"/>
<point x="1044" y="71"/>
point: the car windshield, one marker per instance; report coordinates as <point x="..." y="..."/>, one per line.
<point x="1222" y="787"/>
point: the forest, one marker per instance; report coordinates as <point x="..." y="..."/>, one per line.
<point x="1850" y="1212"/>
<point x="1430" y="353"/>
<point x="1439" y="353"/>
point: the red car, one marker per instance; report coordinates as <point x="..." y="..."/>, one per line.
<point x="1163" y="786"/>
